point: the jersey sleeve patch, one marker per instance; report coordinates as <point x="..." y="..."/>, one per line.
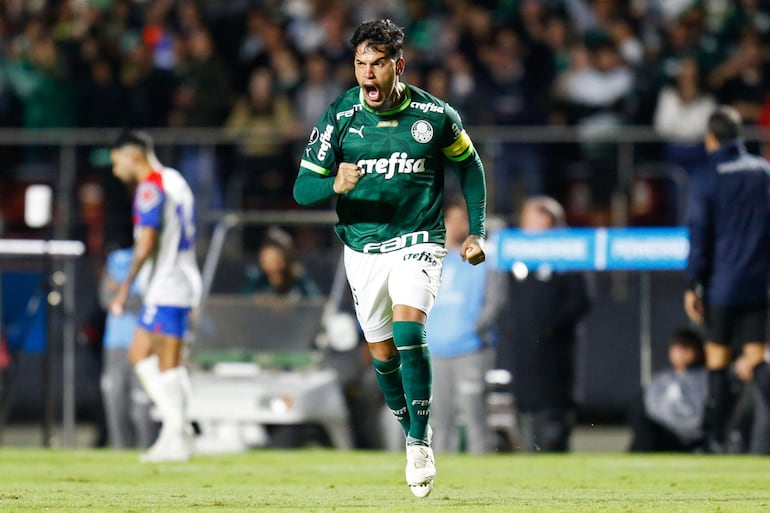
<point x="460" y="149"/>
<point x="149" y="204"/>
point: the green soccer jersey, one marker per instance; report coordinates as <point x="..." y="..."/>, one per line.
<point x="398" y="201"/>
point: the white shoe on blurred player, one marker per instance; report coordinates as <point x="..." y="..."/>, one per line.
<point x="420" y="470"/>
<point x="169" y="448"/>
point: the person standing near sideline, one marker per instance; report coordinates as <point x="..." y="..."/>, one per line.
<point x="126" y="404"/>
<point x="461" y="336"/>
<point x="387" y="141"/>
<point x="164" y="260"/>
<point x="538" y="337"/>
<point x="728" y="263"/>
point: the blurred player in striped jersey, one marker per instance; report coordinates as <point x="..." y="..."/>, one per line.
<point x="388" y="142"/>
<point x="164" y="262"/>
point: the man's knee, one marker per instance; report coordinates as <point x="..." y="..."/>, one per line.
<point x="383" y="351"/>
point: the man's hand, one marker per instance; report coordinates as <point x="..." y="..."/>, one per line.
<point x="347" y="177"/>
<point x="118" y="303"/>
<point x="473" y="250"/>
<point x="693" y="306"/>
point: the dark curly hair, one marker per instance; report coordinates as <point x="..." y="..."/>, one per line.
<point x="381" y="34"/>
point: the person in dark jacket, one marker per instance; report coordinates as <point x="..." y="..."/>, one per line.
<point x="537" y="340"/>
<point x="727" y="267"/>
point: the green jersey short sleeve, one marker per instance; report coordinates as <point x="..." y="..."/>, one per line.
<point x="399" y="199"/>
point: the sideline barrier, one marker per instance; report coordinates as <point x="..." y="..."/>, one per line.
<point x="57" y="261"/>
<point x="600" y="249"/>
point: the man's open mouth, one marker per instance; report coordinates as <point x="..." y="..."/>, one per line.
<point x="372" y="93"/>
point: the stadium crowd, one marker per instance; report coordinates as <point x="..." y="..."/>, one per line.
<point x="266" y="69"/>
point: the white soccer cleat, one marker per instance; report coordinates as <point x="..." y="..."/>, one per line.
<point x="168" y="449"/>
<point x="420" y="470"/>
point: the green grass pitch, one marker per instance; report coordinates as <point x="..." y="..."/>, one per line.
<point x="33" y="480"/>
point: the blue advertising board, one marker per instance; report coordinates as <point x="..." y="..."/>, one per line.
<point x="587" y="249"/>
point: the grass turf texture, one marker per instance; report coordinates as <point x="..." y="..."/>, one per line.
<point x="329" y="481"/>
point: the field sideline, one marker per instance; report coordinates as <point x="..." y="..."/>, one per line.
<point x="34" y="480"/>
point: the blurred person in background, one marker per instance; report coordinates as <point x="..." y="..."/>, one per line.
<point x="518" y="168"/>
<point x="595" y="93"/>
<point x="316" y="91"/>
<point x="41" y="79"/>
<point x="265" y="119"/>
<point x="126" y="404"/>
<point x="165" y="263"/>
<point x="202" y="99"/>
<point x="277" y="272"/>
<point x="727" y="267"/>
<point x="461" y="338"/>
<point x="149" y="90"/>
<point x="743" y="78"/>
<point x="538" y="335"/>
<point x="681" y="114"/>
<point x="669" y="414"/>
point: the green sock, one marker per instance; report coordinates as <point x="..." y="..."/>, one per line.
<point x="389" y="378"/>
<point x="417" y="376"/>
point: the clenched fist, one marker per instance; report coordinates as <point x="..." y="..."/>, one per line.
<point x="347" y="177"/>
<point x="472" y="250"/>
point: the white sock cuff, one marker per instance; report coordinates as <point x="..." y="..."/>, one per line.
<point x="147" y="366"/>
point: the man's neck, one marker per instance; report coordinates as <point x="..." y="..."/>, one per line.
<point x="396" y="97"/>
<point x="143" y="172"/>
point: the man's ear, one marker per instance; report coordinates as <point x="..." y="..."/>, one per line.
<point x="400" y="66"/>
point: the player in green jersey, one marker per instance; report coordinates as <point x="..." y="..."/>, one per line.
<point x="388" y="143"/>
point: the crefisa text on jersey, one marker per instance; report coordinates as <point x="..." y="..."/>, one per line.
<point x="397" y="163"/>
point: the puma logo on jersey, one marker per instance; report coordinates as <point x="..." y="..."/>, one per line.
<point x="359" y="131"/>
<point x="397" y="163"/>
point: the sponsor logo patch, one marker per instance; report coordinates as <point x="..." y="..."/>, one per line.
<point x="325" y="139"/>
<point x="398" y="162"/>
<point x="148" y="196"/>
<point x="396" y="243"/>
<point x="313" y="135"/>
<point x="422" y="131"/>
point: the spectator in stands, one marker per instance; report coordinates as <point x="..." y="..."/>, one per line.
<point x="202" y="99"/>
<point x="277" y="273"/>
<point x="742" y="80"/>
<point x="517" y="102"/>
<point x="538" y="334"/>
<point x="127" y="405"/>
<point x="41" y="78"/>
<point x="203" y="96"/>
<point x="460" y="335"/>
<point x="681" y="114"/>
<point x="150" y="89"/>
<point x="669" y="414"/>
<point x="727" y="267"/>
<point x="102" y="98"/>
<point x="316" y="92"/>
<point x="595" y="94"/>
<point x="267" y="122"/>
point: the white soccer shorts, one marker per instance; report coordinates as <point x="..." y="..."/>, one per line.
<point x="408" y="276"/>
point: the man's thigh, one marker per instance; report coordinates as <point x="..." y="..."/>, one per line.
<point x="379" y="281"/>
<point x="734" y="327"/>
